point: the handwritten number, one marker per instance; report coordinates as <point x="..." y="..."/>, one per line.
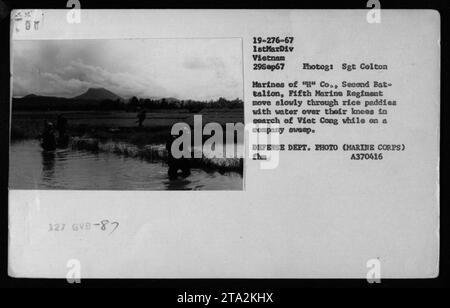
<point x="116" y="225"/>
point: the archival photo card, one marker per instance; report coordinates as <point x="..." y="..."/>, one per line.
<point x="224" y="144"/>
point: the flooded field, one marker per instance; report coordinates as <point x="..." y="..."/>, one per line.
<point x="33" y="168"/>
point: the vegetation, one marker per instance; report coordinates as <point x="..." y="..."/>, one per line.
<point x="43" y="103"/>
<point x="115" y="125"/>
<point x="110" y="125"/>
<point x="156" y="153"/>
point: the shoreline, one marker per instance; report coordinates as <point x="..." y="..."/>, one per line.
<point x="155" y="152"/>
<point x="116" y="132"/>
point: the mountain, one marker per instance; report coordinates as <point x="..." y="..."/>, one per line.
<point x="98" y="94"/>
<point x="30" y="96"/>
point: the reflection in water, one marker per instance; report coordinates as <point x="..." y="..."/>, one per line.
<point x="177" y="184"/>
<point x="32" y="168"/>
<point x="48" y="164"/>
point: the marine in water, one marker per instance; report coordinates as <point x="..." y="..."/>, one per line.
<point x="176" y="164"/>
<point x="48" y="138"/>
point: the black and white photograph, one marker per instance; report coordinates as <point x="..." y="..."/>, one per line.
<point x="98" y="114"/>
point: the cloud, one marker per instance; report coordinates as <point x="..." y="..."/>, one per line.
<point x="213" y="64"/>
<point x="77" y="77"/>
<point x="196" y="63"/>
<point x="144" y="68"/>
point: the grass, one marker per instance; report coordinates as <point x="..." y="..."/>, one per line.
<point x="26" y="129"/>
<point x="133" y="135"/>
<point x="32" y="129"/>
<point x="155" y="153"/>
<point x="116" y="126"/>
<point x="117" y="132"/>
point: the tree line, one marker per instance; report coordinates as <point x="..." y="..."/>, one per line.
<point x="132" y="105"/>
<point x="192" y="105"/>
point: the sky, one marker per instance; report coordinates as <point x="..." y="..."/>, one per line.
<point x="199" y="69"/>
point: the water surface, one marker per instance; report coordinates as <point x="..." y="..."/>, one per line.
<point x="32" y="168"/>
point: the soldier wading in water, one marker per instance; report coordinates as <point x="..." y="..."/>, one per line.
<point x="176" y="164"/>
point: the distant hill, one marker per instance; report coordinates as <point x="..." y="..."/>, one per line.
<point x="98" y="94"/>
<point x="39" y="97"/>
<point x="92" y="99"/>
<point x="103" y="99"/>
<point x="30" y="96"/>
